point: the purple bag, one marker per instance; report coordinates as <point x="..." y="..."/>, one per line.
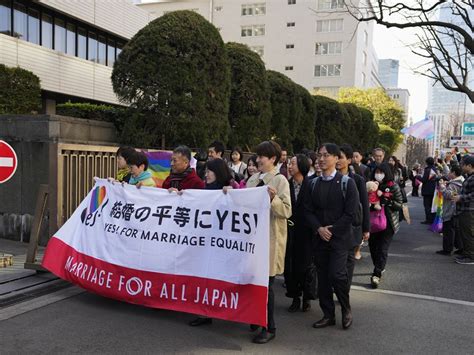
<point x="378" y="221"/>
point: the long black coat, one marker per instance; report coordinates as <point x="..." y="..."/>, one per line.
<point x="300" y="243"/>
<point x="429" y="185"/>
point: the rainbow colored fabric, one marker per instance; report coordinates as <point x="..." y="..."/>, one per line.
<point x="97" y="198"/>
<point x="159" y="165"/>
<point x="437" y="225"/>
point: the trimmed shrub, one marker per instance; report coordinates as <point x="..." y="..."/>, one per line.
<point x="20" y="91"/>
<point x="89" y="111"/>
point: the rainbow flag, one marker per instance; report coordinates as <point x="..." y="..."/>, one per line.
<point x="437" y="207"/>
<point x="159" y="165"/>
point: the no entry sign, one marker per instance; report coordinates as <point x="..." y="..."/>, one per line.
<point x="8" y="161"/>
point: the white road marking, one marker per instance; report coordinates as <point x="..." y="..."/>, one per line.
<point x="39" y="302"/>
<point x="416" y="296"/>
<point x="6" y="162"/>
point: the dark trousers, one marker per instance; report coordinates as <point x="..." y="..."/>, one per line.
<point x="427" y="202"/>
<point x="271" y="327"/>
<point x="466" y="230"/>
<point x="414" y="191"/>
<point x="350" y="265"/>
<point x="331" y="265"/>
<point x="297" y="284"/>
<point x="379" y="244"/>
<point x="451" y="236"/>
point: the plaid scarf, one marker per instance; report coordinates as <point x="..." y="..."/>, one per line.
<point x="177" y="178"/>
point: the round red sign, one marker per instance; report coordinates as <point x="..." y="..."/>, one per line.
<point x="8" y="161"/>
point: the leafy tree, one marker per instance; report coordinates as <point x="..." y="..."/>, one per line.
<point x="362" y="132"/>
<point x="175" y="71"/>
<point x="332" y="121"/>
<point x="20" y="91"/>
<point x="304" y="134"/>
<point x="249" y="109"/>
<point x="385" y="110"/>
<point x="388" y="139"/>
<point x="285" y="114"/>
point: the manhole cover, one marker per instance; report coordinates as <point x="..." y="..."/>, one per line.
<point x="6" y="260"/>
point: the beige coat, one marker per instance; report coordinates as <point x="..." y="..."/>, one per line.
<point x="280" y="211"/>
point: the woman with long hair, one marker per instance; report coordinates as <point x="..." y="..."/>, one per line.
<point x="252" y="168"/>
<point x="391" y="200"/>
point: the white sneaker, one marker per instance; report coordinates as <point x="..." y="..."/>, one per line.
<point x="375" y="281"/>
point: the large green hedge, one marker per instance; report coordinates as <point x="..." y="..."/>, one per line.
<point x="249" y="107"/>
<point x="176" y="73"/>
<point x="20" y="91"/>
<point x="90" y="111"/>
<point x="332" y="121"/>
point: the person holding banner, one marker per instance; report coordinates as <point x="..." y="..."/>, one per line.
<point x="182" y="176"/>
<point x="330" y="208"/>
<point x="268" y="156"/>
<point x="140" y="176"/>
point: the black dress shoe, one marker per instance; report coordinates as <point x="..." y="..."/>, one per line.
<point x="347" y="320"/>
<point x="200" y="321"/>
<point x="295" y="306"/>
<point x="264" y="337"/>
<point x="306" y="305"/>
<point x="323" y="323"/>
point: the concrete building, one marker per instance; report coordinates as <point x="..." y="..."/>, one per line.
<point x="402" y="96"/>
<point x="70" y="45"/>
<point x="315" y="43"/>
<point x="388" y="72"/>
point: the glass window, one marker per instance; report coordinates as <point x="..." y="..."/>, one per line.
<point x="119" y="49"/>
<point x="259" y="30"/>
<point x="327" y="70"/>
<point x="291" y="2"/>
<point x="329" y="25"/>
<point x="330" y="4"/>
<point x="260" y="50"/>
<point x="82" y="43"/>
<point x="92" y="53"/>
<point x="290" y="46"/>
<point x="325" y="48"/>
<point x="289" y="67"/>
<point x="5" y="17"/>
<point x="59" y="35"/>
<point x="47" y="31"/>
<point x="246" y="31"/>
<point x="20" y="21"/>
<point x="33" y="26"/>
<point x="102" y="50"/>
<point x="71" y="39"/>
<point x="110" y="52"/>
<point x="290" y="24"/>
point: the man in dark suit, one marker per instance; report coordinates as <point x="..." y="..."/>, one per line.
<point x="357" y="161"/>
<point x="330" y="215"/>
<point x="378" y="154"/>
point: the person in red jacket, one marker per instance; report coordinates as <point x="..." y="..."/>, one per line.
<point x="182" y="176"/>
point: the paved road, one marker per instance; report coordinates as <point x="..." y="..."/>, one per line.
<point x="402" y="322"/>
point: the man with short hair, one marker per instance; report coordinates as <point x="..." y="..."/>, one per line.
<point x="357" y="160"/>
<point x="379" y="155"/>
<point x="330" y="215"/>
<point x="215" y="150"/>
<point x="465" y="206"/>
<point x="282" y="165"/>
<point x="182" y="176"/>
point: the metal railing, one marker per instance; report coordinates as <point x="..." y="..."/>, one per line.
<point x="77" y="166"/>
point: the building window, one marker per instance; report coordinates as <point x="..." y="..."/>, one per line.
<point x="329" y="25"/>
<point x="328" y="48"/>
<point x="119" y="49"/>
<point x="330" y="4"/>
<point x="71" y="39"/>
<point x="101" y="50"/>
<point x="47" y="31"/>
<point x="289" y="67"/>
<point x="327" y="70"/>
<point x="290" y="46"/>
<point x="92" y="45"/>
<point x="82" y="43"/>
<point x="259" y="50"/>
<point x="291" y="2"/>
<point x="59" y="35"/>
<point x="110" y="53"/>
<point x="218" y="8"/>
<point x="33" y="26"/>
<point x="5" y="17"/>
<point x="254" y="9"/>
<point x="290" y="24"/>
<point x="20" y="23"/>
<point x="254" y="30"/>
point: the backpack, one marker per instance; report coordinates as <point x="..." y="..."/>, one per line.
<point x="344" y="181"/>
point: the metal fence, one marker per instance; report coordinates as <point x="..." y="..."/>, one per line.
<point x="77" y="166"/>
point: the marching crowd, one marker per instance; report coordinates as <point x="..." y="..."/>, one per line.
<point x="325" y="205"/>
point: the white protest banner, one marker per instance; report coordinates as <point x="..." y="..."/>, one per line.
<point x="204" y="252"/>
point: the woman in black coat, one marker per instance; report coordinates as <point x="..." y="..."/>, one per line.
<point x="300" y="273"/>
<point x="392" y="202"/>
<point x="428" y="189"/>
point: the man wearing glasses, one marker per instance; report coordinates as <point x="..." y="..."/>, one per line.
<point x="330" y="207"/>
